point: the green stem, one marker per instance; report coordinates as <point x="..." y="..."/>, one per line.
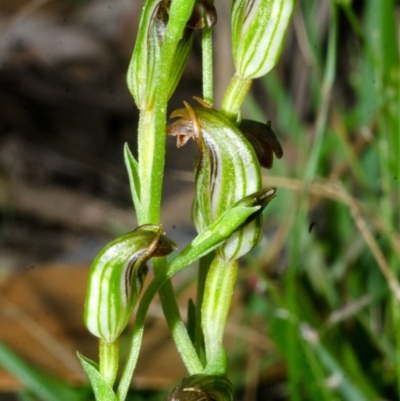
<point x="218" y="294"/>
<point x="151" y="161"/>
<point x="108" y="358"/>
<point x="155" y="137"/>
<point x="176" y="326"/>
<point x="234" y="96"/>
<point x="138" y="327"/>
<point x="208" y="92"/>
<point x="204" y="266"/>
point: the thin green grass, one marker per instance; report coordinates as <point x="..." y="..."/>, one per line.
<point x="333" y="313"/>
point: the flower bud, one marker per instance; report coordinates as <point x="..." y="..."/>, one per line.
<point x="226" y="171"/>
<point x="116" y="279"/>
<point x="146" y="58"/>
<point x="227" y="168"/>
<point x="203" y="388"/>
<point x="258" y="32"/>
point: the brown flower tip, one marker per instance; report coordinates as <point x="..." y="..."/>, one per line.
<point x="264" y="141"/>
<point x="203" y="388"/>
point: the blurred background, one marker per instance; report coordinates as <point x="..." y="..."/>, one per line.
<point x="316" y="314"/>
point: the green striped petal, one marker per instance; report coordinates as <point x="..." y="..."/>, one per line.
<point x="116" y="279"/>
<point x="258" y="33"/>
<point x="226" y="171"/>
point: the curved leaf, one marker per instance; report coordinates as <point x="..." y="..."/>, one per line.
<point x="102" y="390"/>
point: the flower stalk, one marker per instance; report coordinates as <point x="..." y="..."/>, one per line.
<point x="219" y="288"/>
<point x="229" y="199"/>
<point x="109" y="358"/>
<point x="235" y="94"/>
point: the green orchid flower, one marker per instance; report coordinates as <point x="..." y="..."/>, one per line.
<point x="226" y="171"/>
<point x="258" y="33"/>
<point x="146" y="58"/>
<point x="116" y="279"/>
